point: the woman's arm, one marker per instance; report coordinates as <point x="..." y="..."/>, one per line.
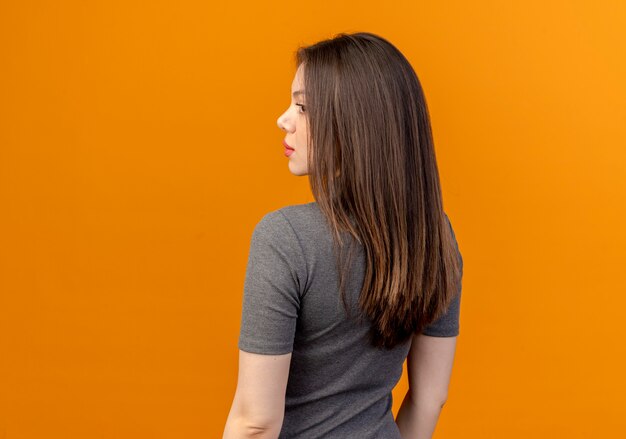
<point x="429" y="366"/>
<point x="259" y="404"/>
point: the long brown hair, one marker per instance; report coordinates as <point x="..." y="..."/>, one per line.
<point x="373" y="173"/>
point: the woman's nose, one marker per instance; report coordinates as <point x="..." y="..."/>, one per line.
<point x="282" y="122"/>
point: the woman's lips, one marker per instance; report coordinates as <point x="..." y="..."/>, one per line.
<point x="288" y="149"/>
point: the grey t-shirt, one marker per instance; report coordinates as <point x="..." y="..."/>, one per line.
<point x="339" y="385"/>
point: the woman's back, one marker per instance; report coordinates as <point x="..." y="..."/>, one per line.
<point x="339" y="385"/>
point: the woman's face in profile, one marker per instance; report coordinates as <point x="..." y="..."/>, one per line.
<point x="294" y="122"/>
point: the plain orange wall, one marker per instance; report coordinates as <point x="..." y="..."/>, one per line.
<point x="139" y="147"/>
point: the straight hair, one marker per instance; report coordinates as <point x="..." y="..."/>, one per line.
<point x="373" y="173"/>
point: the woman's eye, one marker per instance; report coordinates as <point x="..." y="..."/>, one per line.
<point x="302" y="107"/>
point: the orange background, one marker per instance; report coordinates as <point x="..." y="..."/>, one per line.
<point x="139" y="147"/>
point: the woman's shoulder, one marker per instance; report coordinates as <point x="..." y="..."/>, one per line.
<point x="299" y="209"/>
<point x="294" y="214"/>
<point x="303" y="223"/>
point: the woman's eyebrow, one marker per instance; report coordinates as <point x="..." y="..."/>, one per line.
<point x="297" y="92"/>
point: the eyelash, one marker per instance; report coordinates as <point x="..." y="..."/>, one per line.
<point x="301" y="106"/>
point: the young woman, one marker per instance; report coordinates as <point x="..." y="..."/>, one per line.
<point x="340" y="291"/>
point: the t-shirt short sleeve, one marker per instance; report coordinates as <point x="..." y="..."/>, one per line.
<point x="275" y="277"/>
<point x="448" y="324"/>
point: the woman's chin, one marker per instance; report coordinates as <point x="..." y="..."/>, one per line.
<point x="295" y="170"/>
